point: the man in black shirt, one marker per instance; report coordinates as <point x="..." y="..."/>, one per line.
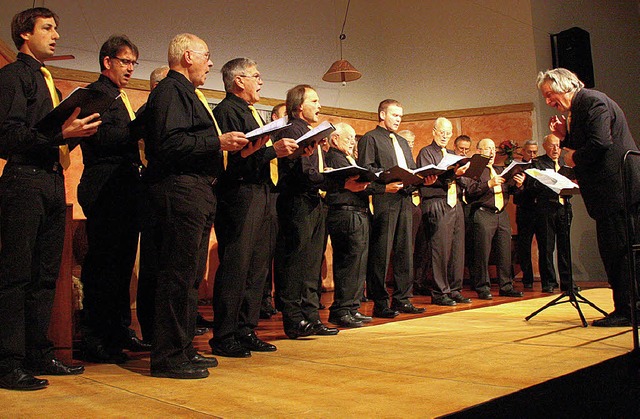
<point x="184" y="150"/>
<point x="391" y="227"/>
<point x="348" y="226"/>
<point x="488" y="198"/>
<point x="243" y="217"/>
<point x="551" y="227"/>
<point x="443" y="220"/>
<point x="108" y="193"/>
<point x="524" y="200"/>
<point x="32" y="204"/>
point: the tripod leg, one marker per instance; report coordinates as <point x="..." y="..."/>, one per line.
<point x="584" y="300"/>
<point x="549" y="304"/>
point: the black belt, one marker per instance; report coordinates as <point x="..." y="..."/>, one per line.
<point x="492" y="211"/>
<point x="349" y="208"/>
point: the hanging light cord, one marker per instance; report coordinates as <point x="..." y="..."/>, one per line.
<point x="342" y="35"/>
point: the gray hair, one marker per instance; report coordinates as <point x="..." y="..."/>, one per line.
<point x="179" y="45"/>
<point x="157" y="75"/>
<point x="530" y="142"/>
<point x="234" y="68"/>
<point x="562" y="80"/>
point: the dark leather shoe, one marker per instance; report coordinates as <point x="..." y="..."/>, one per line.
<point x="53" y="367"/>
<point x="202" y="322"/>
<point x="200" y="361"/>
<point x="384" y="312"/>
<point x="300" y="330"/>
<point x="408" y="308"/>
<point x="485" y="295"/>
<point x="345" y="321"/>
<point x="201" y="330"/>
<point x="361" y="317"/>
<point x="320" y="329"/>
<point x="527" y="285"/>
<point x="135" y="344"/>
<point x="613" y="320"/>
<point x="460" y="299"/>
<point x="99" y="355"/>
<point x="252" y="343"/>
<point x="511" y="293"/>
<point x="19" y="379"/>
<point x="443" y="301"/>
<point x="230" y="348"/>
<point x="186" y="370"/>
<point x="548" y="289"/>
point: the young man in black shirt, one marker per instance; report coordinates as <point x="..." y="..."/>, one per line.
<point x="32" y="204"/>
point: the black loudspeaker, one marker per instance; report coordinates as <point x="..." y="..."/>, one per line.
<point x="571" y="49"/>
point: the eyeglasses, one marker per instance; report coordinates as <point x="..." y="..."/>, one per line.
<point x="258" y="77"/>
<point x="443" y="133"/>
<point x="205" y="54"/>
<point x="126" y="63"/>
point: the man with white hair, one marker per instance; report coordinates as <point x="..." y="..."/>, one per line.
<point x="595" y="136"/>
<point x="348" y="225"/>
<point x="184" y="150"/>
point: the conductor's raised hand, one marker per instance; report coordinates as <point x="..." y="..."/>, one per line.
<point x="83" y="127"/>
<point x="233" y="141"/>
<point x="285" y="147"/>
<point x="558" y="126"/>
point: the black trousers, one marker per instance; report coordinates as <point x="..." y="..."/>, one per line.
<point x="185" y="206"/>
<point x="32" y="223"/>
<point x="491" y="228"/>
<point x="391" y="233"/>
<point x="302" y="229"/>
<point x="527" y="223"/>
<point x="112" y="237"/>
<point x="612" y="244"/>
<point x="552" y="231"/>
<point x="245" y="247"/>
<point x="349" y="231"/>
<point x="444" y="231"/>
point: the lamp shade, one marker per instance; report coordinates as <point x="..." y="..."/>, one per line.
<point x="341" y="71"/>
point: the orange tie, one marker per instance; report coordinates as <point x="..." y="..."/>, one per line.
<point x="63" y="150"/>
<point x="273" y="163"/>
<point x="203" y="99"/>
<point x="497" y="190"/>
<point x="452" y="190"/>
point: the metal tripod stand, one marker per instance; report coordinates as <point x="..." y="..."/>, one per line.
<point x="571" y="294"/>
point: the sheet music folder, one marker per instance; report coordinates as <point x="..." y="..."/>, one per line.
<point x="89" y="101"/>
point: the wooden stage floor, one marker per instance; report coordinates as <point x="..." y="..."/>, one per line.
<point x="430" y="365"/>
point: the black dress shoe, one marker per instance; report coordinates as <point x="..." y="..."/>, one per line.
<point x="408" y="308"/>
<point x="361" y="317"/>
<point x="613" y="320"/>
<point x="299" y="330"/>
<point x="201" y="330"/>
<point x="230" y="348"/>
<point x="19" y="379"/>
<point x="135" y="344"/>
<point x="485" y="295"/>
<point x="53" y="367"/>
<point x="252" y="343"/>
<point x="203" y="361"/>
<point x="202" y="322"/>
<point x="345" y="321"/>
<point x="511" y="293"/>
<point x="99" y="355"/>
<point x="186" y="370"/>
<point x="321" y="329"/>
<point x="443" y="300"/>
<point x="384" y="312"/>
<point x="460" y="299"/>
<point x="548" y="289"/>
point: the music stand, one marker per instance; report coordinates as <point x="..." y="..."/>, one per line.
<point x="571" y="294"/>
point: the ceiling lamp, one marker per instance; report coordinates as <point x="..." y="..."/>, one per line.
<point x="342" y="71"/>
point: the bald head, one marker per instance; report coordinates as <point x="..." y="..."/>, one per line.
<point x="487" y="147"/>
<point x="343" y="138"/>
<point x="442" y="131"/>
<point x="551" y="146"/>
